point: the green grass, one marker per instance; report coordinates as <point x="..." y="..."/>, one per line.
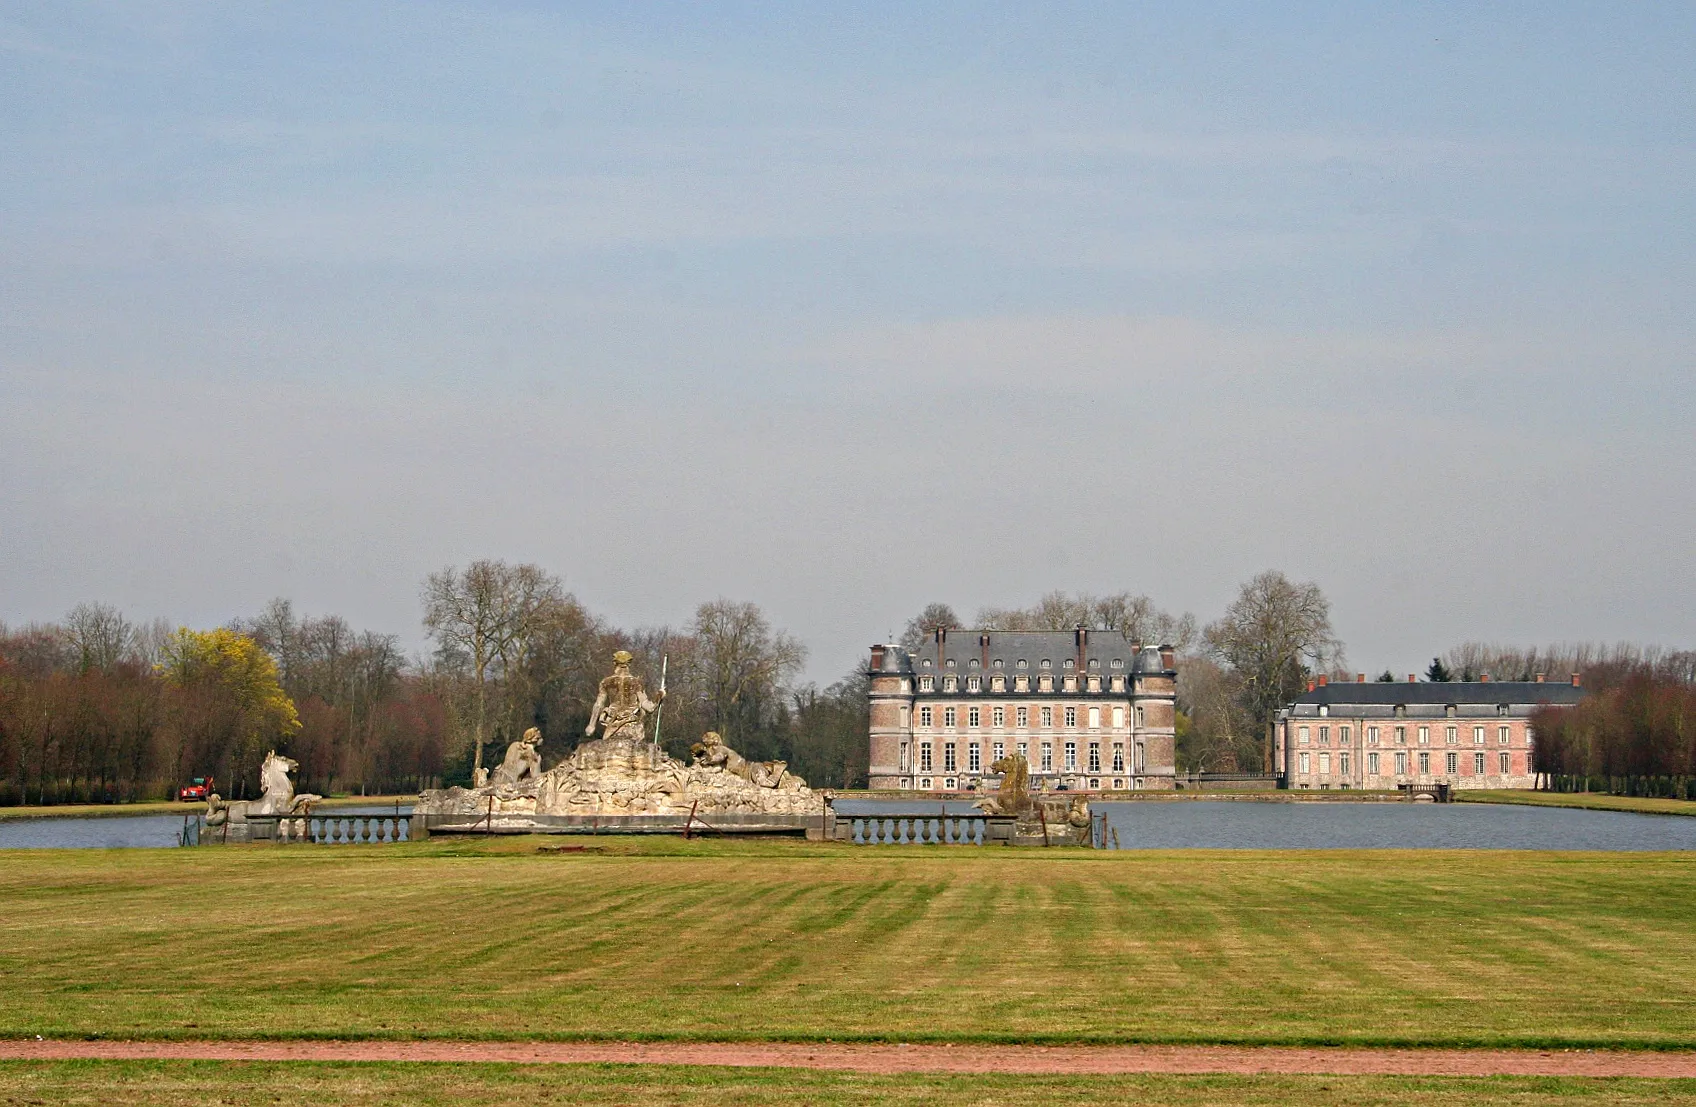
<point x="1589" y="801"/>
<point x="659" y="938"/>
<point x="153" y="1083"/>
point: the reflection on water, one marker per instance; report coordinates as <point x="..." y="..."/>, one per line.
<point x="128" y="831"/>
<point x="1235" y="824"/>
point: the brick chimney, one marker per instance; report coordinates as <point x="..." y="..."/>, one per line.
<point x="1575" y="680"/>
<point x="877" y="658"/>
<point x="1360" y="678"/>
<point x="1539" y="678"/>
<point x="1168" y="658"/>
<point x="1310" y="684"/>
<point x="1485" y="677"/>
<point x="1323" y="680"/>
<point x="1413" y="678"/>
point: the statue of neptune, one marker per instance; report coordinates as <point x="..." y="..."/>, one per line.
<point x="622" y="708"/>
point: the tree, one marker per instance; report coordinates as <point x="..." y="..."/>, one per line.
<point x="100" y="635"/>
<point x="738" y="669"/>
<point x="488" y="613"/>
<point x="1134" y="616"/>
<point x="935" y="616"/>
<point x="1271" y="636"/>
<point x="229" y="702"/>
<point x="1437" y="672"/>
<point x="1386" y="677"/>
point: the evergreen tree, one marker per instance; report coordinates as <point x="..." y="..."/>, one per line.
<point x="1386" y="677"/>
<point x="1438" y="673"/>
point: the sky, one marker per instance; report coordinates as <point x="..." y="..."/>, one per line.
<point x="844" y="309"/>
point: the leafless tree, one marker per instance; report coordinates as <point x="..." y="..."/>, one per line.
<point x="100" y="635"/>
<point x="1272" y="635"/>
<point x="740" y="665"/>
<point x="935" y="616"/>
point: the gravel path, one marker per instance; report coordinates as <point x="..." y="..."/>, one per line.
<point x="904" y="1058"/>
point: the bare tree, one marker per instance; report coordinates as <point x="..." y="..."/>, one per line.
<point x="489" y="612"/>
<point x="1272" y="635"/>
<point x="935" y="616"/>
<point x="100" y="635"/>
<point x="740" y="665"/>
<point x="1134" y="616"/>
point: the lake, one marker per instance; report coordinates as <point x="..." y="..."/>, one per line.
<point x="123" y="831"/>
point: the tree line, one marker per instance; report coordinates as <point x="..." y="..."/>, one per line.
<point x="94" y="708"/>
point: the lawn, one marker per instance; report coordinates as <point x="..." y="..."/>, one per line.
<point x="1589" y="801"/>
<point x="157" y="1083"/>
<point x="748" y="940"/>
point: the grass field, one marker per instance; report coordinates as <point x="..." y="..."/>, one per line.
<point x="1589" y="801"/>
<point x="750" y="940"/>
<point x="157" y="1083"/>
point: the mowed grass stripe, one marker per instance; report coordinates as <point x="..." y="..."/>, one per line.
<point x="717" y="939"/>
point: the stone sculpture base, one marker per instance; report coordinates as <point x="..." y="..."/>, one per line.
<point x="620" y="782"/>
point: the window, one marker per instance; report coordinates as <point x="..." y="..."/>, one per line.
<point x="1047" y="664"/>
<point x="1344" y="736"/>
<point x="972" y="664"/>
<point x="1139" y="717"/>
<point x="1478" y="736"/>
<point x="1302" y="736"/>
<point x="1118" y="717"/>
<point x="924" y="758"/>
<point x="1068" y="665"/>
<point x="1021" y="684"/>
<point x="1503" y="734"/>
<point x="1401" y="736"/>
<point x="906" y="716"/>
<point x="1424" y="762"/>
<point x="1451" y="760"/>
<point x="1048" y="716"/>
<point x="1477" y="764"/>
<point x="1095" y="662"/>
<point x="974" y="757"/>
<point x="1071" y="716"/>
<point x="1047" y="757"/>
<point x="1372" y="736"/>
<point x="1022" y="716"/>
<point x="1399" y="711"/>
<point x="1425" y="736"/>
<point x="1095" y="720"/>
<point x="927" y="684"/>
<point x="949" y="784"/>
<point x="927" y="662"/>
<point x="948" y="716"/>
<point x="1324" y="764"/>
<point x="1118" y="684"/>
<point x="1401" y="762"/>
<point x="1449" y="711"/>
<point x="1304" y="763"/>
<point x="974" y="684"/>
<point x="998" y="683"/>
<point x="1071" y="683"/>
<point x="948" y="758"/>
<point x="1118" y="757"/>
<point x="1372" y="764"/>
<point x="924" y="716"/>
<point x="1324" y="735"/>
<point x="925" y="783"/>
<point x="1071" y="757"/>
<point x="1095" y="757"/>
<point x="1118" y="663"/>
<point x="1023" y="664"/>
<point x="1045" y="684"/>
<point x="999" y="716"/>
<point x="950" y="662"/>
<point x="1023" y="752"/>
<point x="973" y="716"/>
<point x="906" y="757"/>
<point x="1095" y="684"/>
<point x="997" y="751"/>
<point x="1139" y="755"/>
<point x="1506" y="762"/>
<point x="950" y="683"/>
<point x="997" y="663"/>
<point x="1343" y="762"/>
<point x="1451" y="735"/>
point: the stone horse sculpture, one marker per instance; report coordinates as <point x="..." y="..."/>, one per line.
<point x="522" y="760"/>
<point x="1013" y="796"/>
<point x="276" y="795"/>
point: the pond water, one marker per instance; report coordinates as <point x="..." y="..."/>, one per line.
<point x="1236" y="824"/>
<point x="124" y="831"/>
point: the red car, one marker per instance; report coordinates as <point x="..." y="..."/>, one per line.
<point x="195" y="791"/>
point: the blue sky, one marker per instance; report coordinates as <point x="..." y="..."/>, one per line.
<point x="844" y="310"/>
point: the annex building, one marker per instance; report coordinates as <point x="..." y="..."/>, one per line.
<point x="1089" y="710"/>
<point x="1390" y="735"/>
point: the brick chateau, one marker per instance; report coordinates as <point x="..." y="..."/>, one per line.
<point x="1089" y="710"/>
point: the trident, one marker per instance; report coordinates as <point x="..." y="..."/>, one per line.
<point x="661" y="706"/>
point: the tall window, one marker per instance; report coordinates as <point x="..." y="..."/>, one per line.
<point x="1305" y="766"/>
<point x="1045" y="683"/>
<point x="950" y="683"/>
<point x="1071" y="757"/>
<point x="1372" y="764"/>
<point x="1118" y="717"/>
<point x="998" y="683"/>
<point x="1343" y="762"/>
<point x="1503" y="734"/>
<point x="1424" y="763"/>
<point x="972" y="716"/>
<point x="1118" y="757"/>
<point x="927" y="684"/>
<point x="1344" y="736"/>
<point x="1324" y="739"/>
<point x="974" y="757"/>
<point x="1048" y="716"/>
<point x="1506" y="762"/>
<point x="1452" y="762"/>
<point x="1022" y="716"/>
<point x="924" y="716"/>
<point x="974" y="683"/>
<point x="1401" y="736"/>
<point x="1478" y="736"/>
<point x="1302" y="736"/>
<point x="999" y="716"/>
<point x="1372" y="736"/>
<point x="1023" y="752"/>
<point x="1451" y="735"/>
<point x="1477" y="764"/>
<point x="948" y="758"/>
<point x="1425" y="736"/>
<point x="906" y="757"/>
<point x="1325" y="764"/>
<point x="1401" y="762"/>
<point x="906" y="716"/>
<point x="1095" y="757"/>
<point x="1095" y="722"/>
<point x="924" y="757"/>
<point x="1048" y="757"/>
<point x="1071" y="716"/>
<point x="948" y="716"/>
<point x="997" y="751"/>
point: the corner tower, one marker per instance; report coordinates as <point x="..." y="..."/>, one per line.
<point x="891" y="717"/>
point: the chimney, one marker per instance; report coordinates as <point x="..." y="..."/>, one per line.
<point x="877" y="658"/>
<point x="1484" y="677"/>
<point x="1080" y="637"/>
<point x="1413" y="678"/>
<point x="1575" y="680"/>
<point x="1310" y="684"/>
<point x="1539" y="678"/>
<point x="1360" y="678"/>
<point x="1323" y="680"/>
<point x="983" y="647"/>
<point x="1168" y="658"/>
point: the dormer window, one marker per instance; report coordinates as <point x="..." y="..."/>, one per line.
<point x="950" y="683"/>
<point x="1047" y="664"/>
<point x="1118" y="663"/>
<point x="1068" y="664"/>
<point x="997" y="663"/>
<point x="1501" y="709"/>
<point x="950" y="662"/>
<point x="927" y="684"/>
<point x="974" y="683"/>
<point x="998" y="683"/>
<point x="1095" y="662"/>
<point x="1023" y="664"/>
<point x="927" y="662"/>
<point x="1449" y="711"/>
<point x="972" y="664"/>
<point x="1400" y="711"/>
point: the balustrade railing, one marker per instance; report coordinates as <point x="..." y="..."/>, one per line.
<point x="923" y="828"/>
<point x="335" y="828"/>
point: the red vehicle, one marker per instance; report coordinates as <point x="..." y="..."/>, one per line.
<point x="195" y="791"/>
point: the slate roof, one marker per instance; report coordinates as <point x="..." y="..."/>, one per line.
<point x="1057" y="646"/>
<point x="1389" y="694"/>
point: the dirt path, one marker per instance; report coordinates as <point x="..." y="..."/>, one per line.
<point x="900" y="1058"/>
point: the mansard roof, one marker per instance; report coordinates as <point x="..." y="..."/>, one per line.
<point x="1442" y="693"/>
<point x="1034" y="647"/>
